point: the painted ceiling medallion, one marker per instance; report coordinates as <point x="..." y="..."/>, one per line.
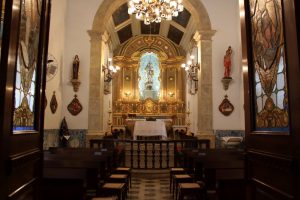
<point x="53" y="103"/>
<point x="226" y="108"/>
<point x="75" y="106"/>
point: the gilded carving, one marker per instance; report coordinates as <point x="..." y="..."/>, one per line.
<point x="148" y="106"/>
<point x="157" y="43"/>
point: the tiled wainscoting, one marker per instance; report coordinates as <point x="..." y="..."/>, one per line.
<point x="227" y="133"/>
<point x="77" y="138"/>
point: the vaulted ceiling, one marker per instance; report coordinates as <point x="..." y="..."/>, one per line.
<point x="122" y="26"/>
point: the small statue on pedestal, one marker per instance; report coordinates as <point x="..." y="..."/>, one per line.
<point x="75" y="77"/>
<point x="76" y="67"/>
<point x="150" y="72"/>
<point x="227" y="63"/>
<point x="227" y="68"/>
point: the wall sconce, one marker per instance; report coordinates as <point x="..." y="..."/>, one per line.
<point x="171" y="94"/>
<point x="127" y="94"/>
<point x="109" y="70"/>
<point x="192" y="69"/>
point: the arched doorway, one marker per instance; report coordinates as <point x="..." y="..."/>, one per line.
<point x="100" y="40"/>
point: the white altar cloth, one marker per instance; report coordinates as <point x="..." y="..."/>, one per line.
<point x="150" y="128"/>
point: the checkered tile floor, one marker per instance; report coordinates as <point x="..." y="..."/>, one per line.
<point x="150" y="185"/>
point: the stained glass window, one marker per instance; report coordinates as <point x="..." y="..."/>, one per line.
<point x="1" y="24"/>
<point x="26" y="65"/>
<point x="269" y="61"/>
<point x="149" y="72"/>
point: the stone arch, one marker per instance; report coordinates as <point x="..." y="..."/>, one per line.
<point x="100" y="38"/>
<point x="107" y="7"/>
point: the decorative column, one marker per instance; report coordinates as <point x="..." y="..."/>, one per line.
<point x="205" y="111"/>
<point x="96" y="85"/>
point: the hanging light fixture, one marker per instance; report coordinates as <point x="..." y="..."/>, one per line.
<point x="191" y="67"/>
<point x="154" y="10"/>
<point x="109" y="70"/>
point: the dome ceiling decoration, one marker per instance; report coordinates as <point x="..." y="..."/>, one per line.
<point x="123" y="26"/>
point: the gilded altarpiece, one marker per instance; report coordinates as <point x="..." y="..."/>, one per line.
<point x="127" y="99"/>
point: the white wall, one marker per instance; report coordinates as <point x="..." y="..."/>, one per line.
<point x="225" y="19"/>
<point x="79" y="18"/>
<point x="56" y="48"/>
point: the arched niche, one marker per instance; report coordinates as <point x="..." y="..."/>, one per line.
<point x="126" y="96"/>
<point x="204" y="44"/>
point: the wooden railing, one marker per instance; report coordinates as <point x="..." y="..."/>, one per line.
<point x="150" y="154"/>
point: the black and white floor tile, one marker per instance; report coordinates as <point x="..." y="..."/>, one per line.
<point x="150" y="185"/>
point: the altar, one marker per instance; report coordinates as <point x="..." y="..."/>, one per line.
<point x="150" y="128"/>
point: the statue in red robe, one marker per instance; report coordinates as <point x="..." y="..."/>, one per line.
<point x="227" y="62"/>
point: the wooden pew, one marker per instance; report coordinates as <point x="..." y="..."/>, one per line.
<point x="78" y="169"/>
<point x="221" y="169"/>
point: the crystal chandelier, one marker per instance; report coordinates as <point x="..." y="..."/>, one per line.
<point x="154" y="10"/>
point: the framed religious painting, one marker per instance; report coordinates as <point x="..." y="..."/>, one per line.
<point x="75" y="106"/>
<point x="226" y="108"/>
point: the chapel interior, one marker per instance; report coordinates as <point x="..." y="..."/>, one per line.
<point x="111" y="99"/>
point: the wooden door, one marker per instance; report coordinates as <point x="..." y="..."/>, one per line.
<point x="22" y="86"/>
<point x="272" y="97"/>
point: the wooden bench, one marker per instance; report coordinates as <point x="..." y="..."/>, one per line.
<point x="69" y="165"/>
